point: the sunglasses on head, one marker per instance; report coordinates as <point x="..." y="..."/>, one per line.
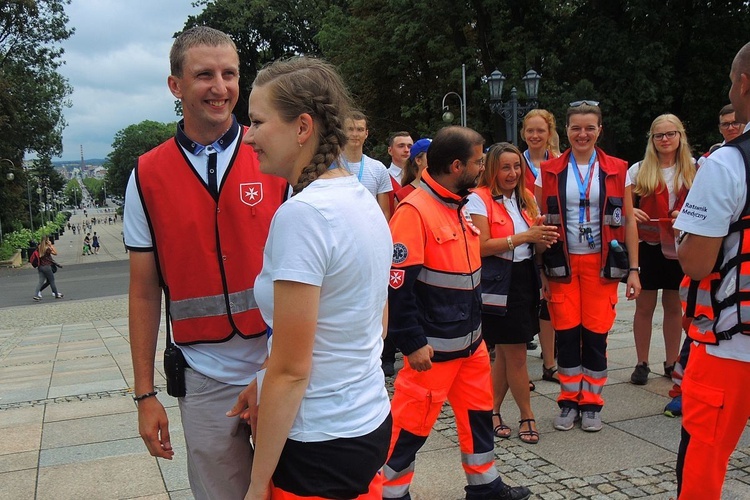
<point x="575" y="104"/>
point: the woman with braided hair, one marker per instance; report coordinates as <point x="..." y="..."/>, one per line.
<point x="324" y="416"/>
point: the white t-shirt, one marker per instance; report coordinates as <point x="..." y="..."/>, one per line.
<point x="713" y="203"/>
<point x="232" y="362"/>
<point x="332" y="235"/>
<point x="475" y="205"/>
<point x="374" y="176"/>
<point x="576" y="244"/>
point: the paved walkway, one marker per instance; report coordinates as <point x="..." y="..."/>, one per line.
<point x="69" y="425"/>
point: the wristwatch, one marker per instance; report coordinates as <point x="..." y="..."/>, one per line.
<point x="636" y="269"/>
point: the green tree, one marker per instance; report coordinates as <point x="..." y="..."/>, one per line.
<point x="95" y="187"/>
<point x="130" y="143"/>
<point x="73" y="193"/>
<point x="32" y="92"/>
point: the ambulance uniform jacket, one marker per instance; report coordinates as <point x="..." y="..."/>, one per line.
<point x="612" y="177"/>
<point x="208" y="247"/>
<point x="434" y="295"/>
<point x="496" y="269"/>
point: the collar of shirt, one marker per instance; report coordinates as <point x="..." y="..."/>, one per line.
<point x="394" y="170"/>
<point x="219" y="144"/>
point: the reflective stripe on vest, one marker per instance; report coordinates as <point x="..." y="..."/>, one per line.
<point x="449" y="280"/>
<point x="455" y="344"/>
<point x="202" y="307"/>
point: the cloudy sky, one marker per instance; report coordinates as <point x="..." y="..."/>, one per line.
<point x="117" y="62"/>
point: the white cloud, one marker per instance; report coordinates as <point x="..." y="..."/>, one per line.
<point x="117" y="62"/>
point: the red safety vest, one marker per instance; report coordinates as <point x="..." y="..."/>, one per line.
<point x="208" y="251"/>
<point x="657" y="207"/>
<point x="496" y="269"/>
<point x="554" y="174"/>
<point x="698" y="298"/>
<point x="446" y="289"/>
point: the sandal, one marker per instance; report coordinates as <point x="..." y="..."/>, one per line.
<point x="550" y="374"/>
<point x="530" y="436"/>
<point x="532" y="386"/>
<point x="501" y="428"/>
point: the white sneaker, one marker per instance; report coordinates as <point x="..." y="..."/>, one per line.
<point x="566" y="420"/>
<point x="591" y="421"/>
<point x="59" y="296"/>
<point x="37" y="297"/>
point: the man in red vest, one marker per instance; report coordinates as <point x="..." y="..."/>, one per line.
<point x="197" y="213"/>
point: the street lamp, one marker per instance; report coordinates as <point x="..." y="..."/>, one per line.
<point x="447" y="115"/>
<point x="10" y="176"/>
<point x="512" y="111"/>
<point x="39" y="192"/>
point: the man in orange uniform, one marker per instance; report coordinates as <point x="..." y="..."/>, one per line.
<point x="435" y="319"/>
<point x="715" y="234"/>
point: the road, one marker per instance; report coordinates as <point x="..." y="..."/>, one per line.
<point x="76" y="281"/>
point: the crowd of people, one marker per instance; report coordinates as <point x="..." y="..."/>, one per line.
<point x="277" y="354"/>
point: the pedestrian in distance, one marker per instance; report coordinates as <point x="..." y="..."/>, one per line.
<point x="87" y="244"/>
<point x="95" y="243"/>
<point x="45" y="263"/>
<point x="323" y="291"/>
<point x="217" y="337"/>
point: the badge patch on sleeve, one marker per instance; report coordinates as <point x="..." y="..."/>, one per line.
<point x="400" y="253"/>
<point x="397" y="278"/>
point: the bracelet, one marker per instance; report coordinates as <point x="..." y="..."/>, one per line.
<point x="144" y="396"/>
<point x="511" y="246"/>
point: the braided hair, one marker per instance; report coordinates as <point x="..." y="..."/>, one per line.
<point x="308" y="85"/>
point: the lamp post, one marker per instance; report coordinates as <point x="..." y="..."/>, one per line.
<point x="512" y="111"/>
<point x="447" y="115"/>
<point x="39" y="192"/>
<point x="10" y="176"/>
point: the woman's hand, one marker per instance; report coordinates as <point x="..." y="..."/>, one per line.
<point x="640" y="215"/>
<point x="545" y="286"/>
<point x="256" y="492"/>
<point x="541" y="234"/>
<point x="633" y="287"/>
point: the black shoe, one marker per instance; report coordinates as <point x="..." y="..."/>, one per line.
<point x="640" y="374"/>
<point x="531" y="345"/>
<point x="503" y="492"/>
<point x="388" y="369"/>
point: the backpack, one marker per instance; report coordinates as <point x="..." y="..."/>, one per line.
<point x="34" y="259"/>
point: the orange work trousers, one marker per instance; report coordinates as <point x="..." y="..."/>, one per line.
<point x="582" y="313"/>
<point x="715" y="410"/>
<point x="417" y="400"/>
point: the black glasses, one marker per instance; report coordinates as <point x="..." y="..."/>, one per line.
<point x="575" y="104"/>
<point x="726" y="125"/>
<point x="669" y="135"/>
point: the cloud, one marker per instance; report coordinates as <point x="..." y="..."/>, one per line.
<point x="117" y="62"/>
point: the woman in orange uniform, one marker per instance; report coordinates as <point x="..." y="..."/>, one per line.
<point x="586" y="194"/>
